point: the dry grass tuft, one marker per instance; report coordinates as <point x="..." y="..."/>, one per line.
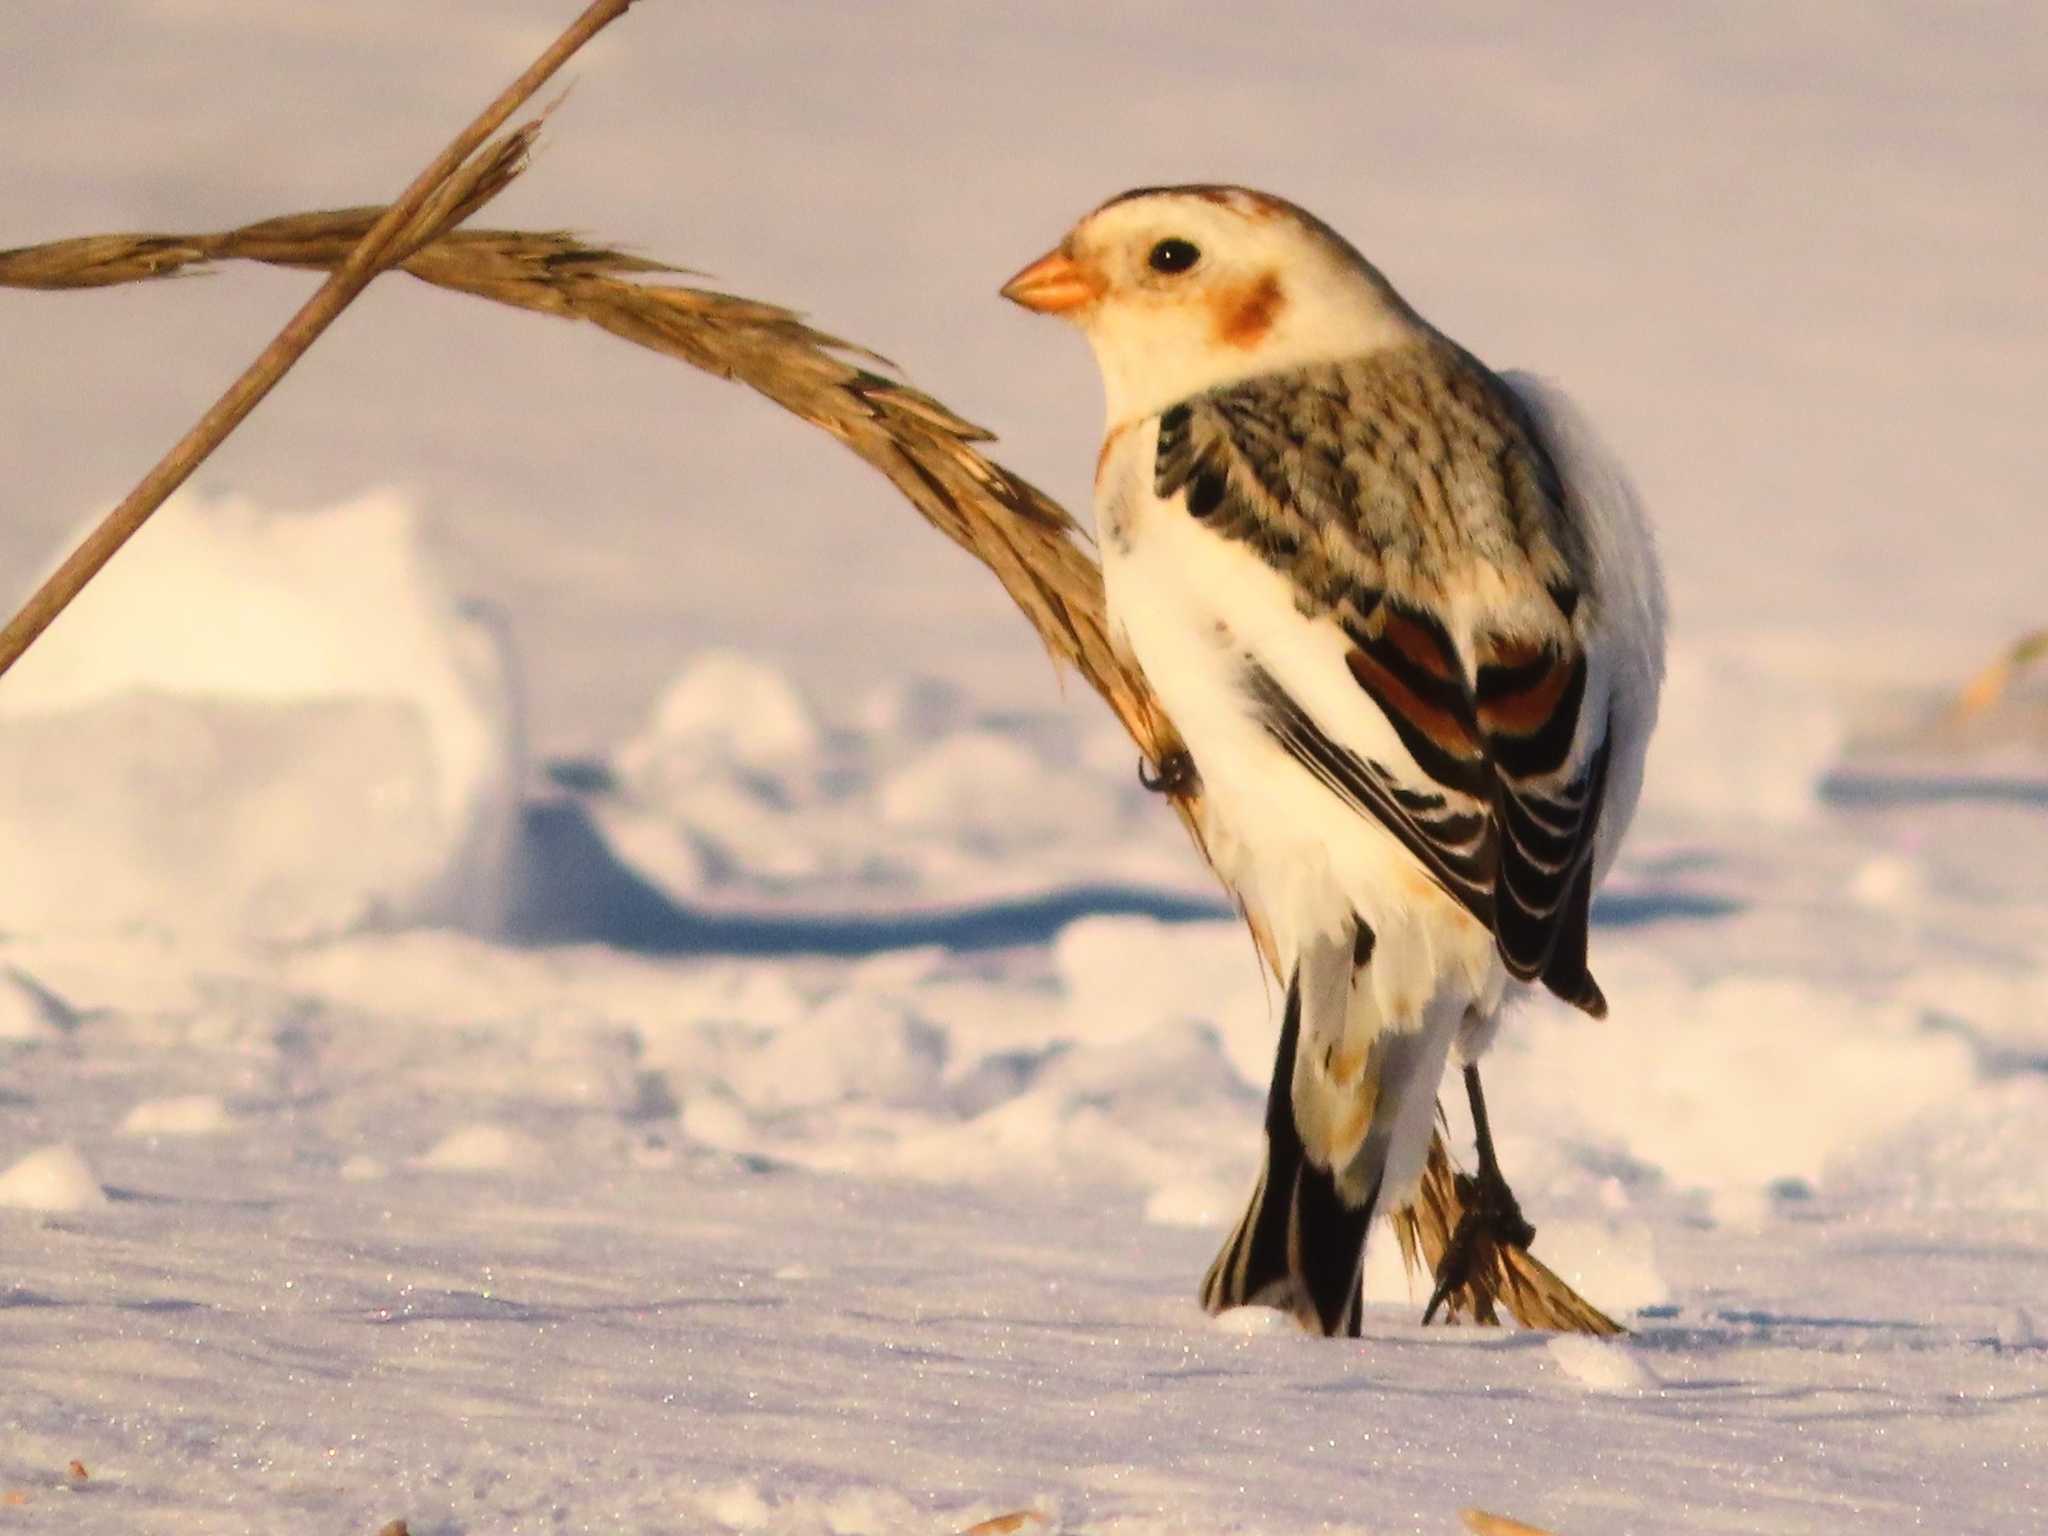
<point x="1031" y="544"/>
<point x="1510" y="1276"/>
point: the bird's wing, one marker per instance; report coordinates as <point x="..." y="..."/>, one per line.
<point x="1627" y="644"/>
<point x="1416" y="516"/>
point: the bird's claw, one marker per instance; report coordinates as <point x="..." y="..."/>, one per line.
<point x="1491" y="1214"/>
<point x="1175" y="776"/>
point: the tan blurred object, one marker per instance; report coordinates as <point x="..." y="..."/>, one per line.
<point x="1991" y="685"/>
<point x="1480" y="1523"/>
<point x="1006" y="1525"/>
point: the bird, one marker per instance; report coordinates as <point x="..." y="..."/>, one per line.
<point x="1407" y="617"/>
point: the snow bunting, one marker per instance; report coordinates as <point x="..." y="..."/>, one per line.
<point x="1407" y="617"/>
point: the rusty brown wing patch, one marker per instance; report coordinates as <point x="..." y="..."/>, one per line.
<point x="1411" y="670"/>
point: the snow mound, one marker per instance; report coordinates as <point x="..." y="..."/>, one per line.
<point x="1812" y="1072"/>
<point x="52" y="1178"/>
<point x="978" y="782"/>
<point x="740" y="790"/>
<point x="272" y="724"/>
<point x="725" y="707"/>
<point x="1599" y="1365"/>
<point x="1126" y="975"/>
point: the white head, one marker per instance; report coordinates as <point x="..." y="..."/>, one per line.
<point x="1182" y="289"/>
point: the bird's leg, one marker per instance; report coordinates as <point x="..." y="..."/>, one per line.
<point x="1491" y="1212"/>
<point x="1176" y="774"/>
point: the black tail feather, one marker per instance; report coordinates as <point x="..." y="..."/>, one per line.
<point x="1300" y="1245"/>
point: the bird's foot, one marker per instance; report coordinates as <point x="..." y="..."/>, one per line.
<point x="1491" y="1215"/>
<point x="1176" y="774"/>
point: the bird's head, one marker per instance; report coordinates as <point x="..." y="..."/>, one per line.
<point x="1182" y="289"/>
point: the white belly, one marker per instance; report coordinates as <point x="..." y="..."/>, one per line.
<point x="1196" y="610"/>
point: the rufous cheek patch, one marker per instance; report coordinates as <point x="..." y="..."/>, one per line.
<point x="1246" y="314"/>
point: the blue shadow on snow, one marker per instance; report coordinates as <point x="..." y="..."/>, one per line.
<point x="574" y="890"/>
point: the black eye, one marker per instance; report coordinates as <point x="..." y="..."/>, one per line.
<point x="1173" y="255"/>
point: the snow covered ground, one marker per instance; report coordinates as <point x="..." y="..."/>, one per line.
<point x="532" y="1001"/>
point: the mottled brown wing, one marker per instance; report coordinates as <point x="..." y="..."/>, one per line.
<point x="1365" y="484"/>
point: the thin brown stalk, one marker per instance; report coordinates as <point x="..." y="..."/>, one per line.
<point x="1990" y="685"/>
<point x="1030" y="543"/>
<point x="451" y="188"/>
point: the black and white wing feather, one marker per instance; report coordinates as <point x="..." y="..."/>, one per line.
<point x="1409" y="502"/>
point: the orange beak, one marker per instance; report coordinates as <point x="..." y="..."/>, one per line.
<point x="1055" y="284"/>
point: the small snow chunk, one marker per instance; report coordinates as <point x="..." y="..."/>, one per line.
<point x="1255" y="1322"/>
<point x="363" y="1168"/>
<point x="52" y="1178"/>
<point x="481" y="1148"/>
<point x="1599" y="1365"/>
<point x="190" y="1114"/>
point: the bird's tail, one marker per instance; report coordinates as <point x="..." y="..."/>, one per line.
<point x="1347" y="1129"/>
<point x="1300" y="1243"/>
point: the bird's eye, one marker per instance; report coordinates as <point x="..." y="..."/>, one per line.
<point x="1173" y="255"/>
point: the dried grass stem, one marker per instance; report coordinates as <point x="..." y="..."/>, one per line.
<point x="451" y="188"/>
